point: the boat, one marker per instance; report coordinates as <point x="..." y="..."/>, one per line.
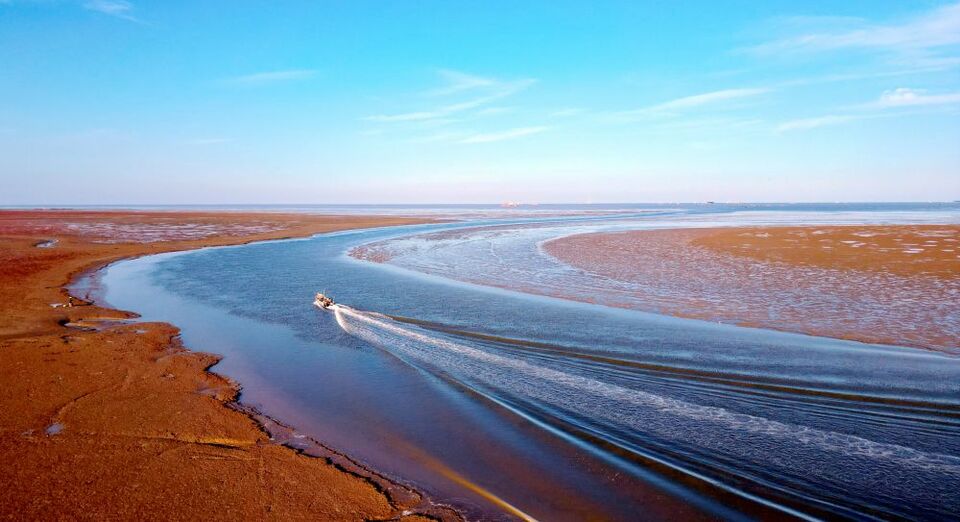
<point x="322" y="301"/>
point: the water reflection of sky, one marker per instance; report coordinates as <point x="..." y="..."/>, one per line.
<point x="527" y="396"/>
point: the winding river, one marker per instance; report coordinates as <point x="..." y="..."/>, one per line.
<point x="442" y="369"/>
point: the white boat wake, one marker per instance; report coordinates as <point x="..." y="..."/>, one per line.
<point x="799" y="449"/>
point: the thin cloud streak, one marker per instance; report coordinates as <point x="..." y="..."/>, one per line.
<point x="115" y="8"/>
<point x="504" y="135"/>
<point x="813" y="123"/>
<point x="690" y="102"/>
<point x="494" y="90"/>
<point x="920" y="66"/>
<point x="937" y="28"/>
<point x="884" y="107"/>
<point x="708" y="98"/>
<point x="268" y="77"/>
<point x="456" y="82"/>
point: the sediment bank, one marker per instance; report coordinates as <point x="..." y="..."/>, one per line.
<point x="101" y="417"/>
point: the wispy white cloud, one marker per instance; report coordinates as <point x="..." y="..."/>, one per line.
<point x="918" y="66"/>
<point x="116" y="8"/>
<point x="268" y="77"/>
<point x="690" y="102"/>
<point x="483" y="100"/>
<point x="933" y="29"/>
<point x="485" y="91"/>
<point x="503" y="135"/>
<point x="813" y="123"/>
<point x="886" y="106"/>
<point x="707" y="99"/>
<point x="457" y="81"/>
<point x="905" y="97"/>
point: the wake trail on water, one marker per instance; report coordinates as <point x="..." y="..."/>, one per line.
<point x="804" y="455"/>
<point x="364" y="325"/>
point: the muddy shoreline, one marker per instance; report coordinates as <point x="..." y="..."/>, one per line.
<point x="108" y="417"/>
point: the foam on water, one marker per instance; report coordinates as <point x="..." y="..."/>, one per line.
<point x="803" y="453"/>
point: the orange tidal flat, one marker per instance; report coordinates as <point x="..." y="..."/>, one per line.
<point x="907" y="250"/>
<point x="104" y="419"/>
<point x="896" y="284"/>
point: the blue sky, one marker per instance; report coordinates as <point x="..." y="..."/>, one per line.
<point x="109" y="101"/>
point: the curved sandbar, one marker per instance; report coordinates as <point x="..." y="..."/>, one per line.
<point x="891" y="284"/>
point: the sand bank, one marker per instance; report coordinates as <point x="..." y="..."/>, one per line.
<point x="102" y="418"/>
<point x="896" y="284"/>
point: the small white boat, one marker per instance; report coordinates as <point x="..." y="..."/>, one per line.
<point x="322" y="301"/>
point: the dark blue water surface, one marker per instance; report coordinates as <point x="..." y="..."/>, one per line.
<point x="562" y="410"/>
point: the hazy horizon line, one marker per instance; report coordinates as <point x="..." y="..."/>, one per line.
<point x="501" y="204"/>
